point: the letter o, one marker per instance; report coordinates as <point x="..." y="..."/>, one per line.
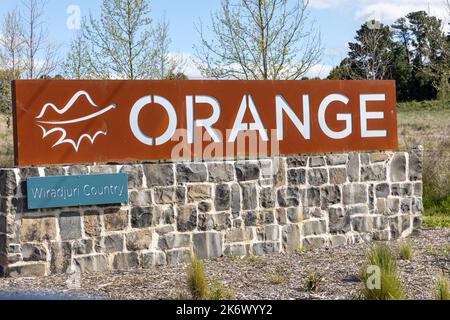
<point x="134" y="117"/>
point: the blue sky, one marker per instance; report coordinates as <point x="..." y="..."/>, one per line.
<point x="336" y="19"/>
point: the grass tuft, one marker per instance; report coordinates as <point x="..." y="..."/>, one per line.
<point x="313" y="281"/>
<point x="406" y="251"/>
<point x="196" y="279"/>
<point x="379" y="275"/>
<point x="442" y="291"/>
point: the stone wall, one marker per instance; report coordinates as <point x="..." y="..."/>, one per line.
<point x="213" y="208"/>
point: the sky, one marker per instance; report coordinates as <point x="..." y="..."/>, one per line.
<point x="337" y="21"/>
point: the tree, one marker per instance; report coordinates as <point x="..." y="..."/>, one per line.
<point x="12" y="42"/>
<point x="167" y="66"/>
<point x="428" y="53"/>
<point x="259" y="39"/>
<point x="40" y="55"/>
<point x="78" y="61"/>
<point x="370" y="56"/>
<point x="122" y="40"/>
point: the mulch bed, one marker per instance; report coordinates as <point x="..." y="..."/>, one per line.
<point x="254" y="278"/>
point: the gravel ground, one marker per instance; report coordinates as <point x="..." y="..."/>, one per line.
<point x="253" y="278"/>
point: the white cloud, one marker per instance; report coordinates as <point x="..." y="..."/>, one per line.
<point x="319" y="70"/>
<point x="384" y="10"/>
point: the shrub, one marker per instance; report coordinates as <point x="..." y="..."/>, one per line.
<point x="442" y="292"/>
<point x="381" y="257"/>
<point x="196" y="279"/>
<point x="313" y="281"/>
<point x="406" y="250"/>
<point x="219" y="292"/>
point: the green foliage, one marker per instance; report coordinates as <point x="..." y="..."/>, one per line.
<point x="406" y="251"/>
<point x="414" y="52"/>
<point x="253" y="260"/>
<point x="219" y="292"/>
<point x="390" y="288"/>
<point x="277" y="278"/>
<point x="313" y="281"/>
<point x="442" y="291"/>
<point x="198" y="284"/>
<point x="196" y="279"/>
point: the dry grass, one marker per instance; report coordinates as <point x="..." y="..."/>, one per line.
<point x="6" y="144"/>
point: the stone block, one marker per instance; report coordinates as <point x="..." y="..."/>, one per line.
<point x="135" y="175"/>
<point x="92" y="263"/>
<point x="330" y="195"/>
<point x="138" y="240"/>
<point x="34" y="252"/>
<point x="186" y="218"/>
<point x="27" y="269"/>
<point x="415" y="163"/>
<point x="159" y="174"/>
<point x="261" y="248"/>
<point x="191" y="172"/>
<point x="178" y="256"/>
<point x="102" y="169"/>
<point x="60" y="256"/>
<point x="317" y="176"/>
<point x="294" y="214"/>
<point x="220" y="172"/>
<point x="378" y="157"/>
<point x="83" y="246"/>
<point x="92" y="223"/>
<point x="222" y="200"/>
<point x="382" y="190"/>
<point x="297" y="161"/>
<point x="8" y="184"/>
<point x="339" y="220"/>
<point x="77" y="170"/>
<point x="336" y="159"/>
<point x="289" y="197"/>
<point x="354" y="194"/>
<point x="338" y="175"/>
<point x="272" y="232"/>
<point x="401" y="190"/>
<point x="374" y="172"/>
<point x="311" y="243"/>
<point x="247" y="171"/>
<point x="235" y="200"/>
<point x="353" y="167"/>
<point x="338" y="241"/>
<point x="291" y="238"/>
<point x="267" y="198"/>
<point x="125" y="261"/>
<point x="316" y="162"/>
<point x="169" y="195"/>
<point x="236" y="250"/>
<point x="115" y="219"/>
<point x="362" y="224"/>
<point x="214" y="221"/>
<point x="207" y="245"/>
<point x="198" y="192"/>
<point x="141" y="217"/>
<point x="314" y="227"/>
<point x="398" y="167"/>
<point x="249" y="196"/>
<point x="110" y="244"/>
<point x="154" y="258"/>
<point x="38" y="229"/>
<point x="250" y="218"/>
<point x="204" y="207"/>
<point x="141" y="198"/>
<point x="174" y="241"/>
<point x="296" y="176"/>
<point x="70" y="225"/>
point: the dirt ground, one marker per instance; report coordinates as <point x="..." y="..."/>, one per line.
<point x="254" y="278"/>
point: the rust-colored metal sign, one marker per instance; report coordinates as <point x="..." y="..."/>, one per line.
<point x="62" y="122"/>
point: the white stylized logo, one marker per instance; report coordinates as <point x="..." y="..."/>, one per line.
<point x="59" y="124"/>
